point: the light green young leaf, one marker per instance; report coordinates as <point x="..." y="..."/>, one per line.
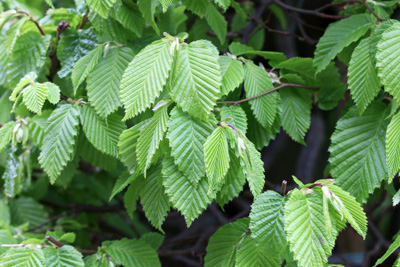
<point x="150" y="138"/>
<point x="148" y="8"/>
<point x="253" y="168"/>
<point x="132" y="253"/>
<point x="256" y="81"/>
<point x="362" y="75"/>
<point x="85" y="65"/>
<point x="189" y="200"/>
<point x="392" y="146"/>
<point x="296" y="112"/>
<point x="165" y="4"/>
<point x="358" y="158"/>
<point x="27" y="79"/>
<point x="65" y="256"/>
<point x="395" y="245"/>
<point x="101" y="7"/>
<point x="54" y="92"/>
<point x="339" y="35"/>
<point x="239" y="119"/>
<point x="216" y="156"/>
<point x="253" y="254"/>
<point x="153" y="198"/>
<point x="196" y="87"/>
<point x="23" y="257"/>
<point x="388" y="60"/>
<point x="217" y="22"/>
<point x="221" y="249"/>
<point x="104" y="81"/>
<point x="6" y="132"/>
<point x="145" y="78"/>
<point x="187" y="136"/>
<point x="34" y="96"/>
<point x="306" y="230"/>
<point x="232" y="74"/>
<point x="224" y="4"/>
<point x="59" y="143"/>
<point x="102" y="133"/>
<point x="267" y="222"/>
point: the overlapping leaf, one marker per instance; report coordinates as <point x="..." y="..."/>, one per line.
<point x="101" y="7"/>
<point x="34" y="96"/>
<point x="6" y="132"/>
<point x="393" y="146"/>
<point x="232" y="74"/>
<point x="253" y="254"/>
<point x="65" y="256"/>
<point x="239" y="119"/>
<point x="23" y="257"/>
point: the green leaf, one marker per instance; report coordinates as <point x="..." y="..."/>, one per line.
<point x="224" y="4"/>
<point x="110" y="28"/>
<point x="362" y="75"/>
<point x="150" y="138"/>
<point x="339" y="35"/>
<point x="388" y="60"/>
<point x="28" y="210"/>
<point x="253" y="254"/>
<point x="393" y="247"/>
<point x="145" y="78"/>
<point x="216" y="156"/>
<point x="129" y="16"/>
<point x="65" y="256"/>
<point x="187" y="136"/>
<point x="239" y="119"/>
<point x="26" y="80"/>
<point x="198" y="7"/>
<point x="238" y="49"/>
<point x="6" y="132"/>
<point x="102" y="133"/>
<point x="253" y="168"/>
<point x="232" y="74"/>
<point x="148" y="9"/>
<point x="221" y="249"/>
<point x="34" y="96"/>
<point x="165" y="4"/>
<point x="296" y="112"/>
<point x="132" y="196"/>
<point x="153" y="198"/>
<point x="54" y="92"/>
<point x="72" y="46"/>
<point x="11" y="175"/>
<point x="23" y="257"/>
<point x="123" y="181"/>
<point x="352" y="210"/>
<point x="358" y="160"/>
<point x="189" y="200"/>
<point x="132" y="253"/>
<point x="94" y="156"/>
<point x="101" y="7"/>
<point x="155" y="240"/>
<point x="305" y="229"/>
<point x="392" y="146"/>
<point x="256" y="81"/>
<point x="104" y="81"/>
<point x="196" y="87"/>
<point x="217" y="22"/>
<point x="59" y="143"/>
<point x="85" y="65"/>
<point x="267" y="222"/>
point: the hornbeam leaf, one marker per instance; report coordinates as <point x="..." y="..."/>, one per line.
<point x="232" y="74"/>
<point x="253" y="168"/>
<point x="393" y="247"/>
<point x="198" y="80"/>
<point x="145" y="78"/>
<point x="358" y="158"/>
<point x="339" y="35"/>
<point x="256" y="81"/>
<point x="6" y="132"/>
<point x="187" y="136"/>
<point x="101" y="7"/>
<point x="148" y="8"/>
<point x="65" y="256"/>
<point x="217" y="22"/>
<point x="253" y="254"/>
<point x="23" y="257"/>
<point x="59" y="142"/>
<point x="34" y="97"/>
<point x="393" y="146"/>
<point x="239" y="119"/>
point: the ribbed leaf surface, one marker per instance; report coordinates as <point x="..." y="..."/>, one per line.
<point x="253" y="168"/>
<point x="28" y="210"/>
<point x="34" y="96"/>
<point x="232" y="74"/>
<point x="253" y="254"/>
<point x="102" y="133"/>
<point x="148" y="8"/>
<point x="216" y="156"/>
<point x="104" y="81"/>
<point x="388" y="61"/>
<point x="198" y="7"/>
<point x="305" y="229"/>
<point x="362" y="75"/>
<point x="145" y="78"/>
<point x="224" y="4"/>
<point x="54" y="93"/>
<point x="256" y="81"/>
<point x="239" y="119"/>
<point x="23" y="257"/>
<point x="150" y="138"/>
<point x="65" y="256"/>
<point x="393" y="247"/>
<point x="189" y="200"/>
<point x="153" y="198"/>
<point x="85" y="65"/>
<point x="221" y="249"/>
<point x="6" y="132"/>
<point x="392" y="146"/>
<point x="165" y="4"/>
<point x="198" y="80"/>
<point x="59" y="142"/>
<point x="358" y="158"/>
<point x="101" y="7"/>
<point x="339" y="35"/>
<point x="187" y="136"/>
<point x="132" y="253"/>
<point x="296" y="112"/>
<point x="217" y="22"/>
<point x="267" y="222"/>
<point x="129" y="16"/>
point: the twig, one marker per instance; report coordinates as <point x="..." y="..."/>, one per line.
<point x="246" y="32"/>
<point x="282" y="85"/>
<point x="84" y="21"/>
<point x="59" y="244"/>
<point x="33" y="20"/>
<point x="371" y="253"/>
<point x="52" y="219"/>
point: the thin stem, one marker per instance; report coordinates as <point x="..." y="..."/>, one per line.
<point x="283" y="189"/>
<point x="282" y="85"/>
<point x="306" y="11"/>
<point x="33" y="20"/>
<point x="59" y="244"/>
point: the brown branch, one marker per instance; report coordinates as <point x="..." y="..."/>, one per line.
<point x="59" y="244"/>
<point x="282" y="85"/>
<point x="33" y="20"/>
<point x="229" y="35"/>
<point x="84" y="21"/>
